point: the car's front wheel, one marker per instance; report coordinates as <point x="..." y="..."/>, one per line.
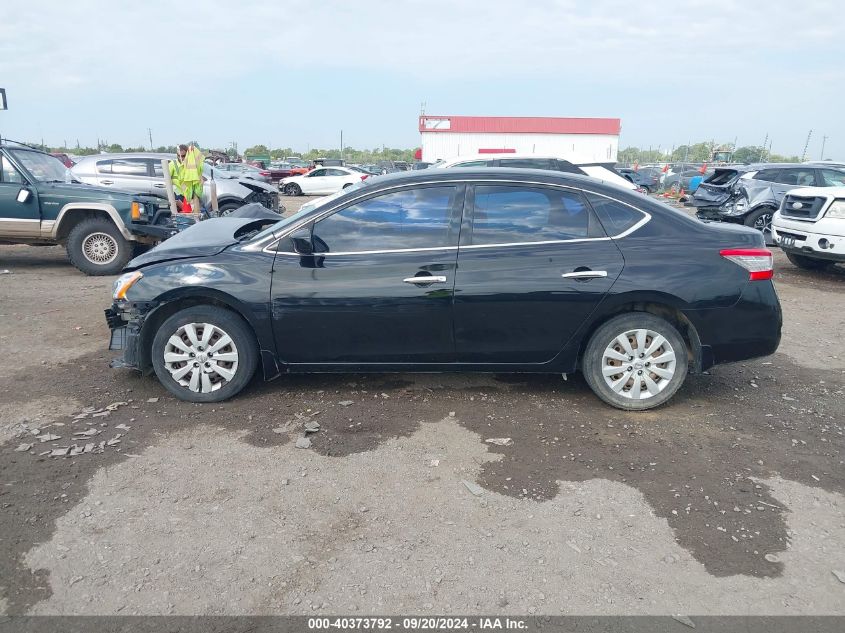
<point x="635" y="361"/>
<point x="292" y="189"/>
<point x="204" y="354"/>
<point x="96" y="247"/>
<point x="761" y="219"/>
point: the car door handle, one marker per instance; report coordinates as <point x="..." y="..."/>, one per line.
<point x="585" y="274"/>
<point x="106" y="182"/>
<point x="428" y="279"/>
<point x="160" y="185"/>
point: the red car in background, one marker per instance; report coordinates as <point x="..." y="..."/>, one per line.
<point x="66" y="161"/>
<point x="276" y="171"/>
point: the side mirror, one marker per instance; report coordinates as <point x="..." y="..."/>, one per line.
<point x="23" y="195"/>
<point x="301" y="239"/>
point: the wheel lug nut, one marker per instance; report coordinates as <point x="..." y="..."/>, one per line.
<point x="630" y="368"/>
<point x="196" y="364"/>
<point x="640" y="372"/>
<point x="192" y="354"/>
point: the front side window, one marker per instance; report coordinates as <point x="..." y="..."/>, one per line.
<point x="512" y="214"/>
<point x="317" y="173"/>
<point x="473" y="163"/>
<point x="8" y="173"/>
<point x="43" y="167"/>
<point x="407" y="219"/>
<point x="833" y="178"/>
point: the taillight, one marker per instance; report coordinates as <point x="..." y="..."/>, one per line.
<point x="264" y="173"/>
<point x="365" y="176"/>
<point x="757" y="261"/>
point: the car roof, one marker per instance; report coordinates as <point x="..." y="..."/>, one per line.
<point x="500" y="173"/>
<point x="158" y="155"/>
<point x="459" y="159"/>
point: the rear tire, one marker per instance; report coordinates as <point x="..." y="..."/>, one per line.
<point x="209" y="333"/>
<point x="641" y="382"/>
<point x="809" y="263"/>
<point x="96" y="247"/>
<point x="761" y="219"/>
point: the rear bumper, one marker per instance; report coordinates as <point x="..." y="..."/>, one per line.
<point x="749" y="329"/>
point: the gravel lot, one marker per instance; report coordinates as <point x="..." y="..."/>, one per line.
<point x="729" y="500"/>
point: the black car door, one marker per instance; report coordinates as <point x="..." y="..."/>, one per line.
<point x="379" y="287"/>
<point x="533" y="264"/>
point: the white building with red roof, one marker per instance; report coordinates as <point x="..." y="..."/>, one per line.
<point x="578" y="140"/>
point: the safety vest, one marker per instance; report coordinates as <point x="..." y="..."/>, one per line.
<point x="192" y="167"/>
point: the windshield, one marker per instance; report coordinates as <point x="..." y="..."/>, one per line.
<point x="43" y="167"/>
<point x="307" y="208"/>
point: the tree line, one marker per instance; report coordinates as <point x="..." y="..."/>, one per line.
<point x="700" y="153"/>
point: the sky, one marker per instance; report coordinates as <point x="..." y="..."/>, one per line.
<point x="294" y="74"/>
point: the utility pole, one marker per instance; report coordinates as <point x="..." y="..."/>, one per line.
<point x="763" y="149"/>
<point x="824" y="139"/>
<point x="804" y="153"/>
<point x="150" y="132"/>
<point x="341" y="145"/>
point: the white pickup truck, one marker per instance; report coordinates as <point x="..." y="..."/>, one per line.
<point x="809" y="226"/>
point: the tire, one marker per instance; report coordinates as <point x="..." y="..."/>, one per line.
<point x="809" y="263"/>
<point x="675" y="187"/>
<point x="227" y="208"/>
<point x="619" y="389"/>
<point x="761" y="219"/>
<point x="211" y="384"/>
<point x="292" y="189"/>
<point x="96" y="247"/>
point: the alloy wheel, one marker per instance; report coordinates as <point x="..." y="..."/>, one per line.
<point x="638" y="364"/>
<point x="201" y="357"/>
<point x="100" y="248"/>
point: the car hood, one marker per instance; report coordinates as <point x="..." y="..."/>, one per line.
<point x="202" y="239"/>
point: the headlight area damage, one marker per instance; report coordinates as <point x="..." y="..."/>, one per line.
<point x="126" y="320"/>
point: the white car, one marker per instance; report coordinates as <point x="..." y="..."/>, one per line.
<point x="535" y="161"/>
<point x="321" y="181"/>
<point x="809" y="226"/>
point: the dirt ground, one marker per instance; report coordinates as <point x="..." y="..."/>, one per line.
<point x="729" y="500"/>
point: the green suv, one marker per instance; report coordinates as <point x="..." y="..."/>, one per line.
<point x="101" y="229"/>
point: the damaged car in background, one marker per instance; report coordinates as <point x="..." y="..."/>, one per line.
<point x="142" y="173"/>
<point x="750" y="194"/>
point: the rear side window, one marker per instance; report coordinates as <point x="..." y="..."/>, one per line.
<point x="473" y="163"/>
<point x="408" y="219"/>
<point x="336" y="172"/>
<point x="614" y="215"/>
<point x="512" y="214"/>
<point x="769" y="175"/>
<point x="797" y="177"/>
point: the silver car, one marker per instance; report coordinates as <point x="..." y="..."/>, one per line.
<point x="142" y="173"/>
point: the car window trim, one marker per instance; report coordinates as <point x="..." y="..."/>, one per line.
<point x="274" y="239"/>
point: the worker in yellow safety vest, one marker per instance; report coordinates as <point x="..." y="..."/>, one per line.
<point x="186" y="174"/>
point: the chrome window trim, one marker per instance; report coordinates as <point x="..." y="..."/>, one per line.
<point x="272" y="239"/>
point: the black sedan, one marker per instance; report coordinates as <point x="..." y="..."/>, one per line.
<point x="493" y="270"/>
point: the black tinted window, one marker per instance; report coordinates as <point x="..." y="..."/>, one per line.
<point x="797" y="177"/>
<point x="473" y="163"/>
<point x="615" y="216"/>
<point x="318" y="173"/>
<point x="509" y="214"/>
<point x="412" y="218"/>
<point x="526" y="163"/>
<point x="336" y="172"/>
<point x="769" y="175"/>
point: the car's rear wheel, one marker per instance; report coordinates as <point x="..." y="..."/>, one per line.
<point x="761" y="219"/>
<point x="635" y="361"/>
<point x="204" y="354"/>
<point x="809" y="263"/>
<point x="96" y="247"/>
<point x="292" y="189"/>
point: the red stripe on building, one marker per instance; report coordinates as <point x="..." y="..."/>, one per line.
<point x="522" y="125"/>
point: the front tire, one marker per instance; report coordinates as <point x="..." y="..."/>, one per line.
<point x="226" y="209"/>
<point x="292" y="189"/>
<point x="204" y="354"/>
<point x="635" y="361"/>
<point x="809" y="263"/>
<point x="96" y="247"/>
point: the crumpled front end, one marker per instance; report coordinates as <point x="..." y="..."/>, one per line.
<point x="125" y="321"/>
